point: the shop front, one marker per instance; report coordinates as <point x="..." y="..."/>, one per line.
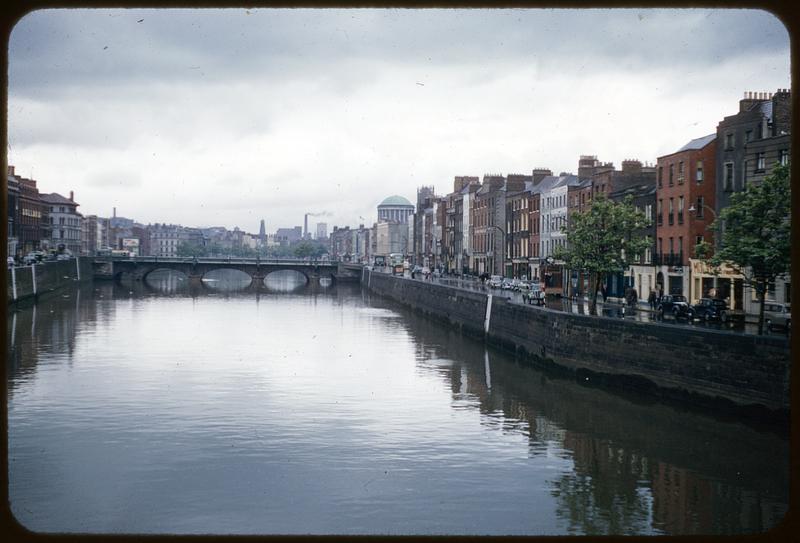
<point x="722" y="284"/>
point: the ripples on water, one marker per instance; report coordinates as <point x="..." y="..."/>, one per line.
<point x="301" y="408"/>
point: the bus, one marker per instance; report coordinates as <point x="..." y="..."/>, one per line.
<point x="396" y="261"/>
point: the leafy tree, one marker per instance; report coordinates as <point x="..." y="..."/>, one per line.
<point x="755" y="233"/>
<point x="190" y="249"/>
<point x="603" y="240"/>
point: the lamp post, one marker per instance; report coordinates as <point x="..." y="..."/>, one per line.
<point x="693" y="209"/>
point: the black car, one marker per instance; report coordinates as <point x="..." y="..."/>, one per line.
<point x="675" y="305"/>
<point x="709" y="309"/>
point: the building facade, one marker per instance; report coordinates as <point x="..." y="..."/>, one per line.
<point x="65" y="222"/>
<point x="685" y="209"/>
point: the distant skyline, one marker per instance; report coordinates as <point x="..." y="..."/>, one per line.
<point x="225" y="117"/>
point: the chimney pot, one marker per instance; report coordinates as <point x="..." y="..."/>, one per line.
<point x="71" y="196"/>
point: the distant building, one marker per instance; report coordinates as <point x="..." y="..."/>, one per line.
<point x="395" y="209"/>
<point x="65" y="222"/>
<point x="322" y="230"/>
<point x="164" y="239"/>
<point x="13" y="205"/>
<point x="287" y="236"/>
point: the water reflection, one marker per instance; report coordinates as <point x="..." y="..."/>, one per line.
<point x="227" y="280"/>
<point x="285" y="281"/>
<point x="349" y="414"/>
<point x="636" y="468"/>
<point x="163" y="281"/>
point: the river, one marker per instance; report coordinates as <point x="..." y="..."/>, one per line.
<point x="162" y="407"/>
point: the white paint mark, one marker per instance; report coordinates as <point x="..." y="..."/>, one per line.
<point x="488" y="313"/>
<point x="14" y="283"/>
<point x="33" y="277"/>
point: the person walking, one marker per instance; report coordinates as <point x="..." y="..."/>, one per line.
<point x="651" y="299"/>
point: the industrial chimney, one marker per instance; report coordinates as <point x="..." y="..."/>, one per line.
<point x="71" y="196"/>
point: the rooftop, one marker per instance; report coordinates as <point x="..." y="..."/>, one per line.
<point x="395" y="200"/>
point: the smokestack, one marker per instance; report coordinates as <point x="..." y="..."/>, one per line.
<point x="71" y="196"/>
<point x="305" y="226"/>
<point x="115" y="213"/>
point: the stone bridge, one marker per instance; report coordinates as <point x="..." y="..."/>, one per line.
<point x="140" y="267"/>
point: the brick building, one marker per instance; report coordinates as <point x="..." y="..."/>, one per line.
<point x="685" y="200"/>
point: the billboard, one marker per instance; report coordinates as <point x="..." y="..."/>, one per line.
<point x="131" y="245"/>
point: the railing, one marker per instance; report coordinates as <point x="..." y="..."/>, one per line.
<point x="668" y="259"/>
<point x="218" y="260"/>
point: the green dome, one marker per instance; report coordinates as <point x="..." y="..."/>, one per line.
<point x="395" y="201"/>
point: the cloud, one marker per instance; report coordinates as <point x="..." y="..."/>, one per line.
<point x="220" y="117"/>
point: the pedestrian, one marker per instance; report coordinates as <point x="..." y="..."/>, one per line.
<point x="651" y="299"/>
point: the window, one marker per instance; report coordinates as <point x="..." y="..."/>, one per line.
<point x="660" y="176"/>
<point x="680" y="210"/>
<point x="670" y="215"/>
<point x="729" y="141"/>
<point x="699" y="206"/>
<point x="680" y="172"/>
<point x="680" y="245"/>
<point x="748" y="136"/>
<point x="760" y="130"/>
<point x="648" y="212"/>
<point x="698" y="240"/>
<point x="660" y="211"/>
<point x="761" y="162"/>
<point x="744" y="173"/>
<point x="671" y="246"/>
<point x="728" y="179"/>
<point x="699" y="171"/>
<point x="671" y="173"/>
<point x="783" y="157"/>
<point x="660" y="246"/>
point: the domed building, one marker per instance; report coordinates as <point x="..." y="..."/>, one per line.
<point x="395" y="209"/>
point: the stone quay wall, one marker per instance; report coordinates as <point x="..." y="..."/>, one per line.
<point x="692" y="363"/>
<point x="26" y="282"/>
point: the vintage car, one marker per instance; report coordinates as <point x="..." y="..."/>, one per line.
<point x="778" y="315"/>
<point x="675" y="305"/>
<point x="708" y="309"/>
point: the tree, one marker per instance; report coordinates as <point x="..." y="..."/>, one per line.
<point x="755" y="238"/>
<point x="190" y="249"/>
<point x="603" y="240"/>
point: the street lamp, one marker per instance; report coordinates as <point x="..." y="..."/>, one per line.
<point x="692" y="209"/>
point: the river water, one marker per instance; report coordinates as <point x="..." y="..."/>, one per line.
<point x="168" y="408"/>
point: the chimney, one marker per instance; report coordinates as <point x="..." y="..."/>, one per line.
<point x="305" y="226"/>
<point x="71" y="196"/>
<point x="115" y="213"/>
<point x="540" y="173"/>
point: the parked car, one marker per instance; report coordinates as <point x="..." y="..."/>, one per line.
<point x="709" y="309"/>
<point x="33" y="257"/>
<point x="533" y="295"/>
<point x="506" y="284"/>
<point x="495" y="281"/>
<point x="778" y="315"/>
<point x="675" y="305"/>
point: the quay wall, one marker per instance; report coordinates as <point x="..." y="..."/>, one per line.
<point x="26" y="282"/>
<point x="698" y="364"/>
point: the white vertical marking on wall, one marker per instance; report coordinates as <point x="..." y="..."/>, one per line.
<point x="488" y="313"/>
<point x="488" y="371"/>
<point x="33" y="276"/>
<point x="14" y="282"/>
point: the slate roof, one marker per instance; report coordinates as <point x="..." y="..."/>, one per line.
<point x="56" y="198"/>
<point x="698" y="143"/>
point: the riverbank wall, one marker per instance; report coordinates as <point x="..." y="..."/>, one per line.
<point x="721" y="368"/>
<point x="26" y="282"/>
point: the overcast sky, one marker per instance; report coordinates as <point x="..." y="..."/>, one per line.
<point x="225" y="117"/>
